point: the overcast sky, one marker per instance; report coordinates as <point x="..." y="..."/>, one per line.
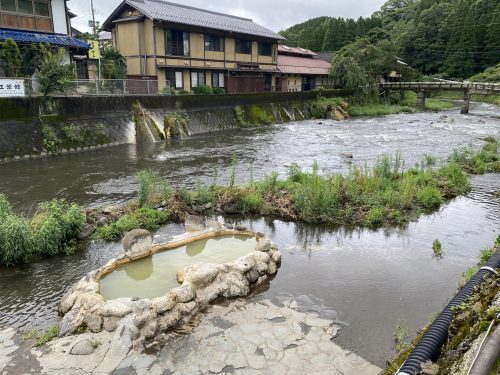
<point x="273" y="14"/>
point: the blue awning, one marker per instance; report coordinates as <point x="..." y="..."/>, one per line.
<point x="25" y="37"/>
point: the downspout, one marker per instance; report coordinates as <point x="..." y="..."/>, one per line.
<point x="155" y="50"/>
<point x="429" y="347"/>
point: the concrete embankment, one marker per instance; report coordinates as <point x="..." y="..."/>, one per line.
<point x="32" y="127"/>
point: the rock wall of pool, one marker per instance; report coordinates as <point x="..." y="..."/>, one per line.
<point x="154" y="288"/>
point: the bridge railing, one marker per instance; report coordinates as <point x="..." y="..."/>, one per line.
<point x="494" y="87"/>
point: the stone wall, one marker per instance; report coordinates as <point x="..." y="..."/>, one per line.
<point x="32" y="127"/>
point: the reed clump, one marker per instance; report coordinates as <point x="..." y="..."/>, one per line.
<point x="51" y="231"/>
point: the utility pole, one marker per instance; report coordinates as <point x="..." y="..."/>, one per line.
<point x="94" y="28"/>
<point x="96" y="37"/>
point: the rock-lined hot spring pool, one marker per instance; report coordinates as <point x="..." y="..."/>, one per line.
<point x="155" y="275"/>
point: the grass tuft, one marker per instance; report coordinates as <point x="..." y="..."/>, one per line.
<point x="437" y="248"/>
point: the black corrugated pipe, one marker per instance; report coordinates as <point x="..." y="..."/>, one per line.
<point x="429" y="347"/>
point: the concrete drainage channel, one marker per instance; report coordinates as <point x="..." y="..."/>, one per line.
<point x="429" y="347"/>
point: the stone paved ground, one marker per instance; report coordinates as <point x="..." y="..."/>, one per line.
<point x="240" y="338"/>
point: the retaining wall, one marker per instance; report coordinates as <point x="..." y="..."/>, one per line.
<point x="38" y="126"/>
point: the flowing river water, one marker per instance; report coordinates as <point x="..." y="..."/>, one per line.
<point x="369" y="281"/>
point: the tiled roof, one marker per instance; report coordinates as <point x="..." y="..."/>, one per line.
<point x="21" y="36"/>
<point x="302" y="65"/>
<point x="295" y="51"/>
<point x="182" y="14"/>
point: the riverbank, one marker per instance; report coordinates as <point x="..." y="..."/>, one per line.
<point x="467" y="330"/>
<point x="407" y="104"/>
<point x="447" y="95"/>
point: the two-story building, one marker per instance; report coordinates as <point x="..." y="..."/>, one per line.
<point x="48" y="22"/>
<point x="189" y="47"/>
<point x="302" y="70"/>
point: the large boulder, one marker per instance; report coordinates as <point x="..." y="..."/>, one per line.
<point x="263" y="244"/>
<point x="184" y="293"/>
<point x="137" y="244"/>
<point x="199" y="275"/>
<point x="115" y="309"/>
<point x="83" y="347"/>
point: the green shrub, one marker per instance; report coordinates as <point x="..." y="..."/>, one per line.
<point x="251" y="202"/>
<point x="51" y="143"/>
<point x="51" y="231"/>
<point x="55" y="225"/>
<point x="321" y="107"/>
<point x="259" y="116"/>
<point x="73" y="136"/>
<point x="219" y="90"/>
<point x="54" y="74"/>
<point x="203" y="90"/>
<point x="452" y="180"/>
<point x="429" y="198"/>
<point x="375" y="216"/>
<point x="144" y="218"/>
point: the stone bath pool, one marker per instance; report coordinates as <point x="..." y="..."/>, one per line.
<point x="155" y="275"/>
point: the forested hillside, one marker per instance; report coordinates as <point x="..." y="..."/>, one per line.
<point x="450" y="38"/>
<point x="329" y="34"/>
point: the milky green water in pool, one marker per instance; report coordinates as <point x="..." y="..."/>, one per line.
<point x="154" y="276"/>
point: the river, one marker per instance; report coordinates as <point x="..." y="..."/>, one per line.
<point x="368" y="281"/>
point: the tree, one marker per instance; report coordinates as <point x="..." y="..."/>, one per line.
<point x="54" y="74"/>
<point x="10" y="57"/>
<point x="113" y="64"/>
<point x="361" y="64"/>
<point x="424" y="45"/>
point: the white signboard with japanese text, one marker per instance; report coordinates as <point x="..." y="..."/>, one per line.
<point x="11" y="87"/>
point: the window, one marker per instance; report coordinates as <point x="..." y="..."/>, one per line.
<point x="177" y="42"/>
<point x="8" y="5"/>
<point x="175" y="79"/>
<point x="214" y="43"/>
<point x="197" y="79"/>
<point x="243" y="46"/>
<point x="179" y="84"/>
<point x="25" y="6"/>
<point x="265" y="49"/>
<point x="42" y="9"/>
<point x="218" y="79"/>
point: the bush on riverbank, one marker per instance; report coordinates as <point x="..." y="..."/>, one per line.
<point x="52" y="230"/>
<point x="406" y="104"/>
<point x="484" y="161"/>
<point x="378" y="109"/>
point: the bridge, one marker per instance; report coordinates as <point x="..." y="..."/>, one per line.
<point x="423" y="88"/>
